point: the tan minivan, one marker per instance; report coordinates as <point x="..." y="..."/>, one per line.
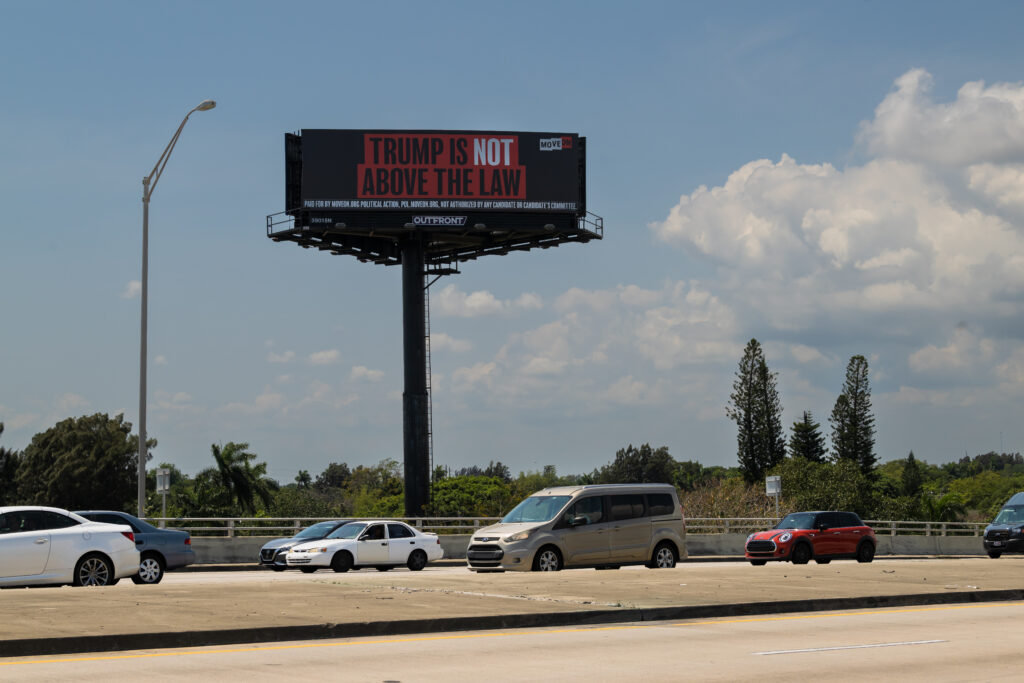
<point x="605" y="525"/>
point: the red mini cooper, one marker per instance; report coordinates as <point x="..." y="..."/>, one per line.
<point x="823" y="536"/>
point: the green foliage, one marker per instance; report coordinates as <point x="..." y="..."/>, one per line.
<point x="729" y="497"/>
<point x="756" y="409"/>
<point x="808" y="485"/>
<point x="853" y="424"/>
<point x="303" y="480"/>
<point x="911" y="477"/>
<point x="638" y="466"/>
<point x="335" y="476"/>
<point x="242" y="479"/>
<point x="806" y="440"/>
<point x="10" y="461"/>
<point x="84" y="462"/>
<point x="472" y="496"/>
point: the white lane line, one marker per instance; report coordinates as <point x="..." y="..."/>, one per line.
<point x="850" y="647"/>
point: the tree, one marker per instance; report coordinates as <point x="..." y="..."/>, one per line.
<point x="910" y="479"/>
<point x="853" y="425"/>
<point x="757" y="411"/>
<point x="9" y="463"/>
<point x="335" y="476"/>
<point x="639" y="466"/>
<point x="303" y="480"/>
<point x="243" y="480"/>
<point x="806" y="440"/>
<point x="83" y="462"/>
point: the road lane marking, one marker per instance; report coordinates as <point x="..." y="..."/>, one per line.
<point x="849" y="647"/>
<point x="355" y="640"/>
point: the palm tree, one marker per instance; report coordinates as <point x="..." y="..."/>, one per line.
<point x="244" y="480"/>
<point x="945" y="508"/>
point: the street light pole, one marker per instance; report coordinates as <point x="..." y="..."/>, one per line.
<point x="148" y="185"/>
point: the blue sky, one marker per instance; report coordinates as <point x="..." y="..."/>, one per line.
<point x="830" y="178"/>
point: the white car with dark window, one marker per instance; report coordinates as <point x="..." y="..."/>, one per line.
<point x="383" y="545"/>
<point x="50" y="546"/>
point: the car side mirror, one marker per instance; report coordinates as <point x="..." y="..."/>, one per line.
<point x="579" y="520"/>
<point x="823" y="527"/>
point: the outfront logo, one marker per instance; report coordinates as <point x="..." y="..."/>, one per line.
<point x="439" y="220"/>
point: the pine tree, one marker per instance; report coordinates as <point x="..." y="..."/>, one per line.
<point x="853" y="425"/>
<point x="807" y="441"/>
<point x="911" y="478"/>
<point x="757" y="411"/>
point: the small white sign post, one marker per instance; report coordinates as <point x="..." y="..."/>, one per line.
<point x="773" y="488"/>
<point x="163" y="487"/>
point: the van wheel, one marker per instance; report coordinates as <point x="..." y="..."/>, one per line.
<point x="801" y="554"/>
<point x="547" y="559"/>
<point x="664" y="556"/>
<point x="994" y="555"/>
<point x="865" y="552"/>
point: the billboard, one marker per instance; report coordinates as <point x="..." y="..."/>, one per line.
<point x="433" y="178"/>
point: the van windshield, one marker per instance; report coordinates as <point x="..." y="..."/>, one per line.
<point x="536" y="509"/>
<point x="1011" y="514"/>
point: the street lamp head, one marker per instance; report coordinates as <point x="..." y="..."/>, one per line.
<point x="206" y="105"/>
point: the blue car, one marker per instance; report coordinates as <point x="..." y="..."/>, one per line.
<point x="160" y="550"/>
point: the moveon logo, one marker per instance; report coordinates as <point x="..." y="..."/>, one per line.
<point x="554" y="144"/>
<point x="438" y="220"/>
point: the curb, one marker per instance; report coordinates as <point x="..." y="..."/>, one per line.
<point x="172" y="639"/>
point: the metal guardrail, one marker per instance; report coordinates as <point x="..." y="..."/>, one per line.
<point x="280" y="526"/>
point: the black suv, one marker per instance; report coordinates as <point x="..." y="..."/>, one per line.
<point x="1006" y="532"/>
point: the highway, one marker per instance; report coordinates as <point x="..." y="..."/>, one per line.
<point x="967" y="642"/>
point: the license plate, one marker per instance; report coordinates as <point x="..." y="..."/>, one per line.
<point x="997" y="543"/>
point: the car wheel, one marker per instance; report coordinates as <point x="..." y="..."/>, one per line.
<point x="759" y="563"/>
<point x="547" y="559"/>
<point x="822" y="560"/>
<point x="342" y="561"/>
<point x="801" y="554"/>
<point x="93" y="570"/>
<point x="417" y="561"/>
<point x="664" y="557"/>
<point x="865" y="552"/>
<point x="994" y="555"/>
<point x="151" y="570"/>
<point x="307" y="570"/>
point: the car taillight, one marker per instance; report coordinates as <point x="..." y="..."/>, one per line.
<point x="129" y="535"/>
<point x="188" y="541"/>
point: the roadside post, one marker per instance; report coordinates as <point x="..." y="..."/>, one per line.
<point x="773" y="488"/>
<point x="163" y="486"/>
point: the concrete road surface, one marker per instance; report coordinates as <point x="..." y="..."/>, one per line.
<point x="935" y="643"/>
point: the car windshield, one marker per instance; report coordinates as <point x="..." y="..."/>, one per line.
<point x="797" y="520"/>
<point x="1011" y="514"/>
<point x="316" y="531"/>
<point x="536" y="509"/>
<point x="348" y="531"/>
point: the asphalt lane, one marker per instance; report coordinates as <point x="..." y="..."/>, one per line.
<point x="967" y="642"/>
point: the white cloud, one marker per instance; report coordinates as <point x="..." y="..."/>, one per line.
<point x="964" y="351"/>
<point x="160" y="360"/>
<point x="71" y="403"/>
<point x="132" y="290"/>
<point x="1003" y="184"/>
<point x="453" y="302"/>
<point x="983" y="124"/>
<point x="286" y="357"/>
<point x="439" y="341"/>
<point x="328" y="357"/>
<point x="267" y="401"/>
<point x="805" y="354"/>
<point x="363" y="373"/>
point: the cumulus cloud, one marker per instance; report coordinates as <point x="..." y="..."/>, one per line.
<point x="439" y="341"/>
<point x="328" y="357"/>
<point x="451" y="301"/>
<point x="983" y="124"/>
<point x="132" y="290"/>
<point x="268" y="401"/>
<point x="360" y="372"/>
<point x="286" y="357"/>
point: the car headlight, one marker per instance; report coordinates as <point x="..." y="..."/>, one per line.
<point x="316" y="550"/>
<point x="751" y="536"/>
<point x="521" y="536"/>
<point x="784" y="538"/>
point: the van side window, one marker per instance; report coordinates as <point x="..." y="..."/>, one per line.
<point x="627" y="506"/>
<point x="659" y="504"/>
<point x="592" y="509"/>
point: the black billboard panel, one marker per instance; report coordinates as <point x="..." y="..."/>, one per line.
<point x="437" y="171"/>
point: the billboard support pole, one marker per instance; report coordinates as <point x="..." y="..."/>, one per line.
<point x="415" y="401"/>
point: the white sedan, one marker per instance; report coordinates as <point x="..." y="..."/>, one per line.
<point x="48" y="546"/>
<point x="383" y="545"/>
